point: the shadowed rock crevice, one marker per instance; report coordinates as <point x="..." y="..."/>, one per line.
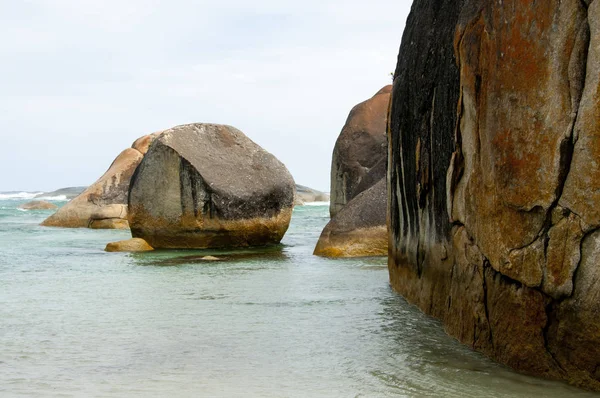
<point x="486" y="296"/>
<point x="551" y="315"/>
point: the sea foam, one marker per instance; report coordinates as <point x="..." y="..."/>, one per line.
<point x="31" y="196"/>
<point x="58" y="198"/>
<point x="316" y="204"/>
<point x="19" y="195"/>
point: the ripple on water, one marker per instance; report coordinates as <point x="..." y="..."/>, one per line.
<point x="77" y="321"/>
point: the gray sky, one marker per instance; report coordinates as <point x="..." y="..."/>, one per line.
<point x="80" y="80"/>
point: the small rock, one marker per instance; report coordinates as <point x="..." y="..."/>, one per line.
<point x="130" y="245"/>
<point x="38" y="205"/>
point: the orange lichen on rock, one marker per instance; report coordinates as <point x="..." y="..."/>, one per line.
<point x="500" y="241"/>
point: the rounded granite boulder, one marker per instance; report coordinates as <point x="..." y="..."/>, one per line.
<point x="360" y="228"/>
<point x="103" y="205"/>
<point x="206" y="186"/>
<point x="360" y="152"/>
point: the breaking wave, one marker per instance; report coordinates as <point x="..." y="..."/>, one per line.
<point x="58" y="198"/>
<point x="316" y="204"/>
<point x="18" y="195"/>
<point x="31" y="196"/>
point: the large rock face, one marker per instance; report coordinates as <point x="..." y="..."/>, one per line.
<point x="206" y="185"/>
<point x="494" y="179"/>
<point x="103" y="205"/>
<point x="359" y="229"/>
<point x="360" y="147"/>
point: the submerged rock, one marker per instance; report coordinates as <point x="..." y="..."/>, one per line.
<point x="208" y="185"/>
<point x="494" y="181"/>
<point x="38" y="205"/>
<point x="359" y="229"/>
<point x="129" y="245"/>
<point x="360" y="146"/>
<point x="104" y="203"/>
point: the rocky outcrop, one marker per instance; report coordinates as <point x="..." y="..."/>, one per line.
<point x="358" y="203"/>
<point x="308" y="195"/>
<point x="359" y="229"/>
<point x="63" y="193"/>
<point x="207" y="185"/>
<point x="130" y="245"/>
<point x="494" y="181"/>
<point x="38" y="205"/>
<point x="360" y="147"/>
<point x="103" y="205"/>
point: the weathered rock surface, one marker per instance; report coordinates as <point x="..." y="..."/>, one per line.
<point x="358" y="204"/>
<point x="109" y="223"/>
<point x="494" y="181"/>
<point x="360" y="146"/>
<point x="38" y="205"/>
<point x="308" y="195"/>
<point x="206" y="185"/>
<point x="129" y="245"/>
<point x="103" y="205"/>
<point x="359" y="229"/>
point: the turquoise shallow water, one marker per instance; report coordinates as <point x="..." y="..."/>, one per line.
<point x="76" y="321"/>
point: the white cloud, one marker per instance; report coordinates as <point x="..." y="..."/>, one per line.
<point x="80" y="80"/>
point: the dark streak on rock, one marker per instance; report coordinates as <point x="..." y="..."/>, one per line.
<point x="427" y="45"/>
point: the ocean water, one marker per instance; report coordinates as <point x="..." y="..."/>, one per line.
<point x="76" y="321"/>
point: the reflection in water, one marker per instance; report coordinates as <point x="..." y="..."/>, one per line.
<point x="424" y="361"/>
<point x="192" y="257"/>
